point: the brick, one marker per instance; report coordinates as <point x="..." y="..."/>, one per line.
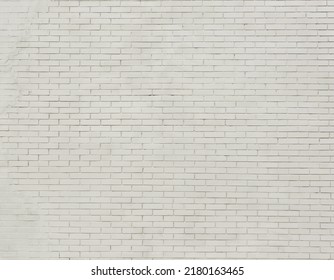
<point x="167" y="129"/>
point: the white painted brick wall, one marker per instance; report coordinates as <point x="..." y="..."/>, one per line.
<point x="168" y="129"/>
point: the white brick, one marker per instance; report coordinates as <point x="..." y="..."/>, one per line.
<point x="167" y="129"/>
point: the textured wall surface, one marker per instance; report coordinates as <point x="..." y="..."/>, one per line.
<point x="167" y="129"/>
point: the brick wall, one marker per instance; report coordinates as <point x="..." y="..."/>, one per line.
<point x="169" y="129"/>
